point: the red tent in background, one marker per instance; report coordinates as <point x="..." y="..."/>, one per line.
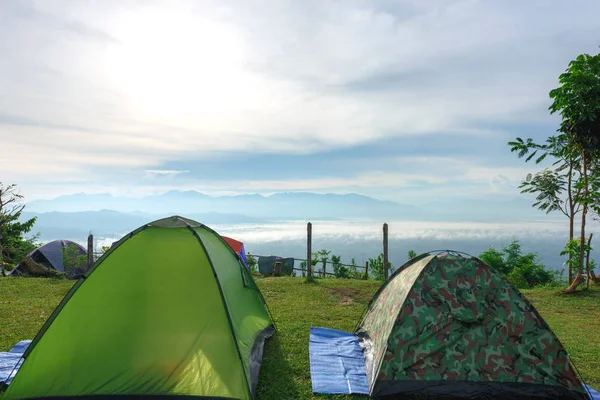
<point x="237" y="246"/>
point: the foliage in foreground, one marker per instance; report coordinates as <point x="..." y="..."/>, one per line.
<point x="522" y="269"/>
<point x="13" y="245"/>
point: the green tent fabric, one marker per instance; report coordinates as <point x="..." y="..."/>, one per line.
<point x="169" y="310"/>
<point x="446" y="325"/>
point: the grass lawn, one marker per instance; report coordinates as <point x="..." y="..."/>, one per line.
<point x="25" y="303"/>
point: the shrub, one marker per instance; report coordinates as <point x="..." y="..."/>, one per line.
<point x="73" y="260"/>
<point x="339" y="270"/>
<point x="252" y="263"/>
<point x="376" y="267"/>
<point x="522" y="270"/>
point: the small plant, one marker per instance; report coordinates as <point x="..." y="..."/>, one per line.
<point x="376" y="267"/>
<point x="73" y="260"/>
<point x="323" y="256"/>
<point x="252" y="263"/>
<point x="353" y="271"/>
<point x="573" y="250"/>
<point x="412" y="254"/>
<point x="339" y="269"/>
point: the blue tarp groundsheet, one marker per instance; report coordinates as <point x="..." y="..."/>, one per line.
<point x="337" y="365"/>
<point x="594" y="395"/>
<point x="9" y="359"/>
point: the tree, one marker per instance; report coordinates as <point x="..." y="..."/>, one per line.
<point x="323" y="256"/>
<point x="495" y="259"/>
<point x="578" y="102"/>
<point x="13" y="246"/>
<point x="551" y="185"/>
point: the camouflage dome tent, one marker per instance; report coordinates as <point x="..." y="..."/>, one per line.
<point x="447" y="326"/>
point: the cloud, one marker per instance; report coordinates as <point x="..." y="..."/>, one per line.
<point x="165" y="172"/>
<point x="398" y="230"/>
<point x="112" y="90"/>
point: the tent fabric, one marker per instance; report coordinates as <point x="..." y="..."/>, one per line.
<point x="337" y="365"/>
<point x="167" y="311"/>
<point x="10" y="361"/>
<point x="450" y="326"/>
<point x="238" y="247"/>
<point x="50" y="255"/>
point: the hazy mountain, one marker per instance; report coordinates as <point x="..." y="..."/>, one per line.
<point x="109" y="217"/>
<point x="292" y="206"/>
<point x="277" y="206"/>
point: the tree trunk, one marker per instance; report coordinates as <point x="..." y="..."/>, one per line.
<point x="573" y="285"/>
<point x="583" y="214"/>
<point x="571" y="219"/>
<point x="1" y="260"/>
<point x="587" y="262"/>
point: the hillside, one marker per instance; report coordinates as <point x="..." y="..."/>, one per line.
<point x="296" y="306"/>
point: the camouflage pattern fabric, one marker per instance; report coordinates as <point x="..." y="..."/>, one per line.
<point x="462" y="321"/>
<point x="379" y="320"/>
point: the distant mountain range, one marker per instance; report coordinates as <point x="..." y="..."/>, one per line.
<point x="277" y="206"/>
<point x="104" y="214"/>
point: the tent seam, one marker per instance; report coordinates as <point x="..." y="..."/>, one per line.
<point x="224" y="300"/>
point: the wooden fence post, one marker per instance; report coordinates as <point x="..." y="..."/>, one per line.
<point x="309" y="251"/>
<point x="90" y="251"/>
<point x="366" y="270"/>
<point x="385" y="251"/>
<point x="277" y="268"/>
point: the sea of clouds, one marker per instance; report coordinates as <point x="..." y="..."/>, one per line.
<point x="362" y="240"/>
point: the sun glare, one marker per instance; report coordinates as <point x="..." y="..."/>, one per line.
<point x="177" y="67"/>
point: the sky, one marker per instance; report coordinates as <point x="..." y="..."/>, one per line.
<point x="398" y="100"/>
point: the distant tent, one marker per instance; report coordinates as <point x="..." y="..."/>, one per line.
<point x="449" y="326"/>
<point x="265" y="265"/>
<point x="169" y="310"/>
<point x="238" y="247"/>
<point x="49" y="258"/>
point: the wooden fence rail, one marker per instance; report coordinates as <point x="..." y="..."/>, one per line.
<point x="319" y="262"/>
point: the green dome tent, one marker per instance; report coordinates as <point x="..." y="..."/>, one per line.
<point x="169" y="310"/>
<point x="448" y="326"/>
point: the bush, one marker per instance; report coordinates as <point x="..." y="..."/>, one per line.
<point x="252" y="263"/>
<point x="73" y="260"/>
<point x="522" y="270"/>
<point x="339" y="270"/>
<point x="376" y="267"/>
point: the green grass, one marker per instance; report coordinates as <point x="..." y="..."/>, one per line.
<point x="25" y="304"/>
<point x="296" y="306"/>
